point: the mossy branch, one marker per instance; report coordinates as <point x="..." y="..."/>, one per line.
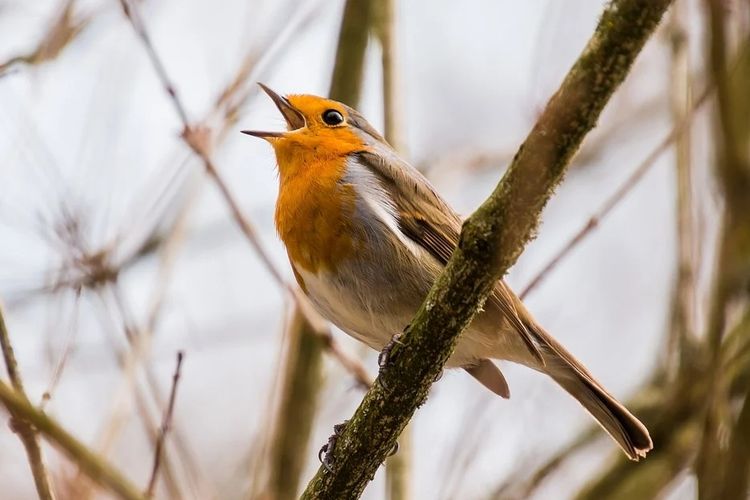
<point x="491" y="240"/>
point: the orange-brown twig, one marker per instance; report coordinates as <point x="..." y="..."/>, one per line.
<point x="200" y="141"/>
<point x="165" y="425"/>
<point x="19" y="424"/>
<point x="616" y="197"/>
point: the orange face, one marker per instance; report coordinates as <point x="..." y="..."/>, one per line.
<point x="318" y="130"/>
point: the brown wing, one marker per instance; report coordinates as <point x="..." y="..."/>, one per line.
<point x="428" y="221"/>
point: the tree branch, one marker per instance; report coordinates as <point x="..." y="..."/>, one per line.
<point x="22" y="427"/>
<point x="201" y="141"/>
<point x="165" y="426"/>
<point x="716" y="463"/>
<point x="491" y="240"/>
<point x="302" y="382"/>
<point x="350" y="52"/>
<point x="678" y="131"/>
<point x="92" y="465"/>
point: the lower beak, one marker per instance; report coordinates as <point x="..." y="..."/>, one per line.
<point x="294" y="119"/>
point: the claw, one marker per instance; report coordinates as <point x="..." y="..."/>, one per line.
<point x="394" y="450"/>
<point x="325" y="454"/>
<point x="385" y="354"/>
<point x="325" y="460"/>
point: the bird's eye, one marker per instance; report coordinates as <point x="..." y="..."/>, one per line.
<point x="333" y="117"/>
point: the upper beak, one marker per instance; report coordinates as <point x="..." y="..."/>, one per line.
<point x="294" y="119"/>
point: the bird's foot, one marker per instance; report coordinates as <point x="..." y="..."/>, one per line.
<point x="385" y="355"/>
<point x="394" y="450"/>
<point x="325" y="455"/>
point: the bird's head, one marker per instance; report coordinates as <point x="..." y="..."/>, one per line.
<point x="316" y="125"/>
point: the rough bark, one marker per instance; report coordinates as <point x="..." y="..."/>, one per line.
<point x="491" y="240"/>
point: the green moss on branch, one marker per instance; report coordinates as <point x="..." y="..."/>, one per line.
<point x="491" y="240"/>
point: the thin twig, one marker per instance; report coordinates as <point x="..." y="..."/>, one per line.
<point x="490" y="242"/>
<point x="140" y="341"/>
<point x="200" y="140"/>
<point x="137" y="23"/>
<point x="62" y="30"/>
<point x="64" y="356"/>
<point x="616" y="197"/>
<point x="165" y="425"/>
<point x="127" y="361"/>
<point x="94" y="466"/>
<point x="20" y="425"/>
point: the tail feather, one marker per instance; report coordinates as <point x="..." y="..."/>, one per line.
<point x="615" y="419"/>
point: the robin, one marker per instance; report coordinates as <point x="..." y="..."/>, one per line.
<point x="367" y="235"/>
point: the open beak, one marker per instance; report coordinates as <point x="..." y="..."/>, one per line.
<point x="294" y="119"/>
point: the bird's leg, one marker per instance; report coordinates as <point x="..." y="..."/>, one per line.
<point x="325" y="455"/>
<point x="385" y="354"/>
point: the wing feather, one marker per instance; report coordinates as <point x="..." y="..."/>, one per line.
<point x="430" y="222"/>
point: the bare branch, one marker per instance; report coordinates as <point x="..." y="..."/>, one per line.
<point x="616" y="197"/>
<point x="200" y="140"/>
<point x="491" y="240"/>
<point x="165" y="425"/>
<point x="682" y="332"/>
<point x="301" y="386"/>
<point x="350" y="51"/>
<point x="95" y="467"/>
<point x="62" y="30"/>
<point x="21" y="426"/>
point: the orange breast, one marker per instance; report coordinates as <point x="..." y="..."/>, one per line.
<point x="314" y="213"/>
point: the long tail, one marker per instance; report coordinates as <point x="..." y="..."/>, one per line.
<point x="615" y="419"/>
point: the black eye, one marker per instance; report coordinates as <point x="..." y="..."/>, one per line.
<point x="333" y="117"/>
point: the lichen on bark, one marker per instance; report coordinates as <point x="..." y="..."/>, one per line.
<point x="491" y="240"/>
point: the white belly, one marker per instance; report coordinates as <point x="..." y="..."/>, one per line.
<point x="360" y="312"/>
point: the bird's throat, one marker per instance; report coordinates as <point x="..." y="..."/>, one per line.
<point x="314" y="214"/>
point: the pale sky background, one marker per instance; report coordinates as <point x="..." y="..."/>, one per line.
<point x="94" y="131"/>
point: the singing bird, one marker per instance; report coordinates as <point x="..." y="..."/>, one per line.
<point x="367" y="235"/>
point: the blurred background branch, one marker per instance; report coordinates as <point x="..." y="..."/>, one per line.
<point x="93" y="466"/>
<point x="62" y="30"/>
<point x="165" y="426"/>
<point x="21" y="426"/>
<point x="115" y="255"/>
<point x="488" y="246"/>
